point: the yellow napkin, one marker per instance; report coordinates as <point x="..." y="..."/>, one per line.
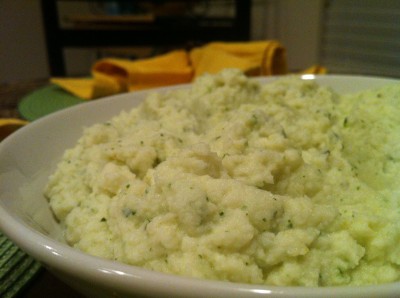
<point x="253" y="58"/>
<point x="9" y="125"/>
<point x="315" y="69"/>
<point x="83" y="88"/>
<point x="112" y="76"/>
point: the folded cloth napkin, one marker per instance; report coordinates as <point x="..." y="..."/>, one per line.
<point x="253" y="58"/>
<point x="111" y="76"/>
<point x="9" y="125"/>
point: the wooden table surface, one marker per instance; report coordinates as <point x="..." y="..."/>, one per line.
<point x="44" y="284"/>
<point x="12" y="93"/>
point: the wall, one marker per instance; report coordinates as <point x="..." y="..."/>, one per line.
<point x="298" y="28"/>
<point x="22" y="46"/>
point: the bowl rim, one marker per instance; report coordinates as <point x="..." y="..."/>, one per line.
<point x="55" y="255"/>
<point x="58" y="256"/>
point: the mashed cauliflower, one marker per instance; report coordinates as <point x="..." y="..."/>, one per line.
<point x="285" y="183"/>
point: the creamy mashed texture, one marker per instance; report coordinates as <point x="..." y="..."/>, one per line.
<point x="285" y="183"/>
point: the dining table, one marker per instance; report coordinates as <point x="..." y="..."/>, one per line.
<point x="37" y="281"/>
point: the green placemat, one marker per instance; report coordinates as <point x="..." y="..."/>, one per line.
<point x="44" y="101"/>
<point x="16" y="268"/>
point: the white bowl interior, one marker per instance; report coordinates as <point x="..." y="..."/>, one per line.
<point x="30" y="155"/>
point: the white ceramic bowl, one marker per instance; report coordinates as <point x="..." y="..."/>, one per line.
<point x="29" y="156"/>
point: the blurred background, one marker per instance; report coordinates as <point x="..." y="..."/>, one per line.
<point x="47" y="38"/>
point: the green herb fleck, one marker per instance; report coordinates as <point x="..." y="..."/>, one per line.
<point x="327" y="152"/>
<point x="341" y="273"/>
<point x="127" y="212"/>
<point x="156" y="162"/>
<point x="345" y="122"/>
<point x="284" y="134"/>
<point x="391" y="158"/>
<point x="254" y="119"/>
